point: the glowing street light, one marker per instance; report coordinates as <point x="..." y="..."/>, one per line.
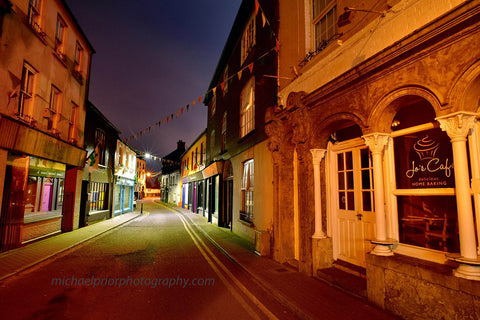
<point x="148" y="155"/>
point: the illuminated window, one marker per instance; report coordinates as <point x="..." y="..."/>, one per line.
<point x="247" y="108"/>
<point x="54" y="108"/>
<point x="324" y="21"/>
<point x="201" y="153"/>
<point x="25" y="105"/>
<point x="248" y="38"/>
<point x="246" y="213"/>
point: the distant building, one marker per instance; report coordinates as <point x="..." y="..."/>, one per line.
<point x="193" y="186"/>
<point x="101" y="137"/>
<point x="125" y="169"/>
<point x="239" y="166"/>
<point x="140" y="178"/>
<point x="170" y="179"/>
<point x="44" y="77"/>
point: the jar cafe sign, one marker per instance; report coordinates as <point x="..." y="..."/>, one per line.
<point x="424" y="160"/>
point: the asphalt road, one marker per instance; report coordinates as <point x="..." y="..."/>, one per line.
<point x="158" y="266"/>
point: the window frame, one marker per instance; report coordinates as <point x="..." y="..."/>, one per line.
<point x="247" y="109"/>
<point x="248" y="38"/>
<point x="60" y="35"/>
<point x="54" y="108"/>
<point x="224" y="133"/>
<point x="329" y="7"/>
<point x="100" y="145"/>
<point x="27" y="91"/>
<point x="247" y="191"/>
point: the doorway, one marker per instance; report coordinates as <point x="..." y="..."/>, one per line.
<point x="353" y="203"/>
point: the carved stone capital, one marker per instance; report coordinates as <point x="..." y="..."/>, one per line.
<point x="295" y="100"/>
<point x="317" y="155"/>
<point x="300" y="126"/>
<point x="457" y="125"/>
<point x="376" y="142"/>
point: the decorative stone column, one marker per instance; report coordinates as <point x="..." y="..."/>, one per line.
<point x="458" y="125"/>
<point x="318" y="155"/>
<point x="376" y="142"/>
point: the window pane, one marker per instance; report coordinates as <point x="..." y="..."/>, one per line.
<point x="341" y="200"/>
<point x="340" y="161"/>
<point x="366" y="179"/>
<point x="351" y="200"/>
<point x="348" y="160"/>
<point x="367" y="201"/>
<point x="350" y="180"/>
<point x="341" y="181"/>
<point x="429" y="222"/>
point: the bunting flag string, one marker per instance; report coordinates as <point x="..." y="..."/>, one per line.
<point x="239" y="74"/>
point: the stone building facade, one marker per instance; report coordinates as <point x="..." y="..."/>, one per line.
<point x="375" y="147"/>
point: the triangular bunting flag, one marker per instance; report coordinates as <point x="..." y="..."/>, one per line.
<point x="257" y="6"/>
<point x="181" y="110"/>
<point x="188" y="107"/>
<point x="214" y="90"/>
<point x="264" y="20"/>
<point x="193" y="103"/>
<point x="250" y="67"/>
<point x="177" y="114"/>
<point x="239" y="74"/>
<point x="200" y="99"/>
<point x="222" y="85"/>
<point x="168" y="118"/>
<point x="171" y="116"/>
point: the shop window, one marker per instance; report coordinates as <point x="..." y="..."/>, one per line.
<point x="98" y="196"/>
<point x="425" y="182"/>
<point x="45" y="188"/>
<point x="246" y="213"/>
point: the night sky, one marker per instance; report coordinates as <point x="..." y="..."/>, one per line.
<point x="152" y="58"/>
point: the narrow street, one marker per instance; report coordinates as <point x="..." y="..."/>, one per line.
<point x="158" y="266"/>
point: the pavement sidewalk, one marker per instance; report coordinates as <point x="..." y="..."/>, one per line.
<point x="19" y="259"/>
<point x="306" y="297"/>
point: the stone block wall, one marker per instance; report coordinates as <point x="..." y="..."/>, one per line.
<point x="418" y="289"/>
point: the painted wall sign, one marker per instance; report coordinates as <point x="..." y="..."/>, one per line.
<point x="424" y="160"/>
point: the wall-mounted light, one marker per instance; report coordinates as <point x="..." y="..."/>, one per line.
<point x="344" y="18"/>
